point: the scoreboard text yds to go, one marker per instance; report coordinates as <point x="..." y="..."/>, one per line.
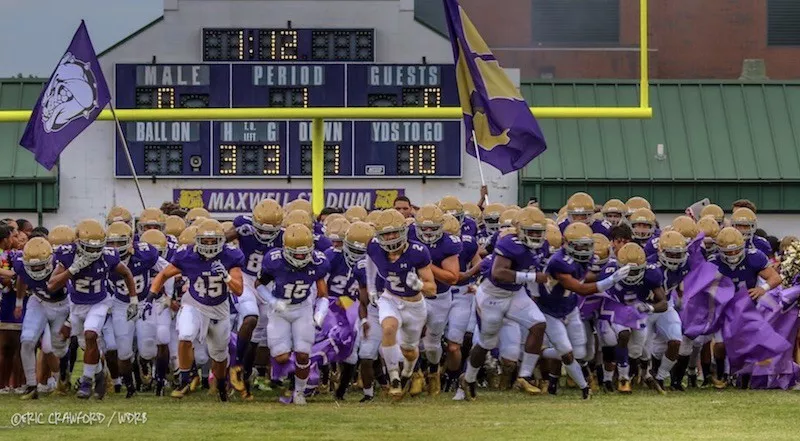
<point x="222" y="149"/>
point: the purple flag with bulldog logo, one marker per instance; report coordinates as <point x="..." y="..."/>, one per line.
<point x="73" y="98"/>
<point x="507" y="133"/>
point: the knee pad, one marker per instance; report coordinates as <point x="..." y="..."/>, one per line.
<point x="609" y="354"/>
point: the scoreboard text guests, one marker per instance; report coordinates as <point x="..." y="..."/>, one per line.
<point x="224" y="149"/>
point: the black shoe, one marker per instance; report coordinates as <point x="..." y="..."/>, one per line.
<point x="586" y="393"/>
<point x="692" y="381"/>
<point x="552" y="386"/>
<point x="608" y="386"/>
<point x="117" y="388"/>
<point x="131" y="391"/>
<point x="678" y="387"/>
<point x="706" y="382"/>
<point x="100" y="385"/>
<point x="160" y="386"/>
<point x="204" y="383"/>
<point x="366" y="399"/>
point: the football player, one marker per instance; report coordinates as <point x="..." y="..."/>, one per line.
<point x="634" y="204"/>
<point x="321" y="243"/>
<point x="405" y="266"/>
<point x="119" y="214"/>
<point x="257" y="234"/>
<point x="580" y="208"/>
<point x="195" y="213"/>
<point x="44" y="310"/>
<point x="214" y="273"/>
<point x="298" y="273"/>
<point x="356" y="213"/>
<point x="150" y="219"/>
<point x="643" y="225"/>
<point x="444" y="250"/>
<point x="89" y="266"/>
<point x="451" y="205"/>
<point x="744" y="220"/>
<point x="716" y="212"/>
<point x="613" y="211"/>
<point x="744" y="265"/>
<point x="491" y="217"/>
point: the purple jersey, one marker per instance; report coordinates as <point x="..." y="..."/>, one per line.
<point x="554" y="300"/>
<point x="469" y="246"/>
<point x="322" y="243"/>
<point x="672" y="278"/>
<point x="483" y="235"/>
<point x="343" y="280"/>
<point x="206" y="287"/>
<point x="631" y="294"/>
<point x="746" y="272"/>
<point x="598" y="226"/>
<point x="522" y="259"/>
<point x="491" y="242"/>
<point x="447" y="246"/>
<point x="144" y="258"/>
<point x="37" y="287"/>
<point x="319" y="228"/>
<point x="415" y="257"/>
<point x="469" y="227"/>
<point x="651" y="246"/>
<point x="760" y="244"/>
<point x="486" y="266"/>
<point x="89" y="286"/>
<point x="253" y="250"/>
<point x="293" y="284"/>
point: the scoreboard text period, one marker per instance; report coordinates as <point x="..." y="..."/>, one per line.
<point x="283" y="148"/>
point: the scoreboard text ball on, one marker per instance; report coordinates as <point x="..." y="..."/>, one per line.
<point x="328" y="68"/>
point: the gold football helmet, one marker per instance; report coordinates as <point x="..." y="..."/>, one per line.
<point x="356" y="240"/>
<point x="188" y="236"/>
<point x="632" y="254"/>
<point x="91" y="238"/>
<point x="61" y="235"/>
<point x="199" y="220"/>
<point x="531" y="225"/>
<point x="194" y="213"/>
<point x="686" y="226"/>
<point x="37" y="257"/>
<point x="554" y="238"/>
<point x="602" y="249"/>
<point x="119" y="214"/>
<point x="210" y="238"/>
<point x="174" y="225"/>
<point x="298" y="217"/>
<point x="580" y="208"/>
<point x="579" y="242"/>
<point x="120" y="236"/>
<point x="374" y="214"/>
<point x="643" y="223"/>
<point x="157" y="239"/>
<point x="491" y="216"/>
<point x="298" y="244"/>
<point x="227" y="225"/>
<point x="473" y="212"/>
<point x="151" y="219"/>
<point x="267" y="219"/>
<point x="428" y="224"/>
<point x="336" y="230"/>
<point x="709" y="226"/>
<point x="299" y="204"/>
<point x="331" y="217"/>
<point x="356" y="213"/>
<point x="391" y="230"/>
<point x="714" y="211"/>
<point x="507" y="218"/>
<point x="613" y="211"/>
<point x="451" y="225"/>
<point x="451" y="205"/>
<point x="672" y="250"/>
<point x="730" y="245"/>
<point x="636" y="203"/>
<point x="744" y="220"/>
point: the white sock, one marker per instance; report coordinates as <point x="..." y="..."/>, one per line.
<point x="528" y="363"/>
<point x="28" y="355"/>
<point x="624" y="372"/>
<point x="608" y="375"/>
<point x="551" y="353"/>
<point x="471" y="373"/>
<point x="117" y="381"/>
<point x="665" y="368"/>
<point x="89" y="370"/>
<point x="368" y="392"/>
<point x="408" y="366"/>
<point x="574" y="371"/>
<point x="391" y="356"/>
<point x="300" y="385"/>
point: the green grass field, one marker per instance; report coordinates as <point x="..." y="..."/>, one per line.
<point x="695" y="415"/>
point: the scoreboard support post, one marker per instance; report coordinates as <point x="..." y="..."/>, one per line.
<point x="317" y="165"/>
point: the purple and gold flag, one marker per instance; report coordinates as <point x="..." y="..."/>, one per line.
<point x="74" y="96"/>
<point x="507" y="133"/>
<point x="706" y="295"/>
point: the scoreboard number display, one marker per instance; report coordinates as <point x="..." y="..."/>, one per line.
<point x="288" y="68"/>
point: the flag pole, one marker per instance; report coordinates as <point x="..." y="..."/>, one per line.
<point x="480" y="164"/>
<point x="127" y="153"/>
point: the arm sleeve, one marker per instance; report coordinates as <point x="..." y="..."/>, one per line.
<point x="372" y="273"/>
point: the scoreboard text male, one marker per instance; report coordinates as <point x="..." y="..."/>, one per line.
<point x="288" y="68"/>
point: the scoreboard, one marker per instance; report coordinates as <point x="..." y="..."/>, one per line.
<point x="327" y="68"/>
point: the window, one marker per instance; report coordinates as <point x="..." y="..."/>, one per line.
<point x="581" y="22"/>
<point x="783" y="23"/>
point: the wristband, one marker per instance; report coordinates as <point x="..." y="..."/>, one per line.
<point x="134" y="300"/>
<point x="227" y="278"/>
<point x="524" y="277"/>
<point x="765" y="286"/>
<point x="72" y="270"/>
<point x="19" y="302"/>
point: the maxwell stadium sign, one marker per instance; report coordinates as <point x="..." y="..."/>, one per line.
<point x="243" y="201"/>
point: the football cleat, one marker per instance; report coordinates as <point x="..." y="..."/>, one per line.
<point x="624" y="387"/>
<point x="286" y="397"/>
<point x="608" y="386"/>
<point x="586" y="393"/>
<point x="593" y="382"/>
<point x="526" y="385"/>
<point x="417" y="383"/>
<point x="117" y="388"/>
<point x="62" y="388"/>
<point x="236" y="373"/>
<point x="396" y="390"/>
<point x="656" y="385"/>
<point x="434" y="384"/>
<point x="467" y="388"/>
<point x="692" y="379"/>
<point x="161" y="384"/>
<point x="299" y="399"/>
<point x="552" y="385"/>
<point x="181" y="391"/>
<point x="678" y="387"/>
<point x="194" y="383"/>
<point x="100" y="387"/>
<point x="460" y="395"/>
<point x="31" y="393"/>
<point x="84" y="388"/>
<point x="131" y="391"/>
<point x="719" y="384"/>
<point x="366" y="399"/>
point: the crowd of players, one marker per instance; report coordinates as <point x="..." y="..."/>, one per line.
<point x="450" y="296"/>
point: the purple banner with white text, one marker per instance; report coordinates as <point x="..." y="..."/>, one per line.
<point x="242" y="201"/>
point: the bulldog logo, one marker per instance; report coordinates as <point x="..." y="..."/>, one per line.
<point x="71" y="94"/>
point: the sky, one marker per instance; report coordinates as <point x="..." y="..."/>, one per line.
<point x="33" y="41"/>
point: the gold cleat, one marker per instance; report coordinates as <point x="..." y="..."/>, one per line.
<point x="180" y="393"/>
<point x="417" y="384"/>
<point x="194" y="384"/>
<point x="624" y="386"/>
<point x="593" y="384"/>
<point x="62" y="388"/>
<point x="506" y="372"/>
<point x="396" y="392"/>
<point x="525" y="386"/>
<point x="246" y="396"/>
<point x="235" y="374"/>
<point x="212" y="386"/>
<point x="434" y="383"/>
<point x="719" y="384"/>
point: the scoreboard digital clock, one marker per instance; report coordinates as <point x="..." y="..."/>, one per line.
<point x="279" y="149"/>
<point x="329" y="45"/>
